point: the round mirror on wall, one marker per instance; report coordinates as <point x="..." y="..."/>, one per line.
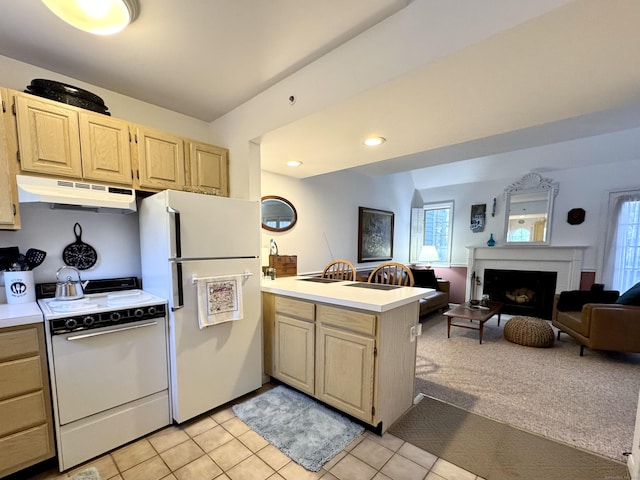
<point x="278" y="214"/>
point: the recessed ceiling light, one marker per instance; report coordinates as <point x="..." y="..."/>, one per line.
<point x="100" y="17"/>
<point x="294" y="163"/>
<point x="374" y="141"/>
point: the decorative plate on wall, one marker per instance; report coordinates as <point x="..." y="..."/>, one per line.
<point x="575" y="216"/>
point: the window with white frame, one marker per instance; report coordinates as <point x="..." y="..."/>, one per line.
<point x="431" y="225"/>
<point x="622" y="251"/>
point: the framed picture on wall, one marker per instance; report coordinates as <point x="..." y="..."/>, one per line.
<point x="478" y="216"/>
<point x="375" y="235"/>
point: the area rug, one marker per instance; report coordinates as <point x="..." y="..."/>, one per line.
<point x="587" y="402"/>
<point x="88" y="474"/>
<point x="496" y="451"/>
<point x="307" y="432"/>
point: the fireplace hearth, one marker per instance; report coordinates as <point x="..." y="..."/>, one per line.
<point x="523" y="292"/>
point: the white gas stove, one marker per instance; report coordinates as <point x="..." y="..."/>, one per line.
<point x="108" y="360"/>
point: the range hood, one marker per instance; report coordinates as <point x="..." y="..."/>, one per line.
<point x="71" y="194"/>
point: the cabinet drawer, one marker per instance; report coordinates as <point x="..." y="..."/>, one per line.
<point x="20" y="376"/>
<point x="284" y="260"/>
<point x="18" y="343"/>
<point x="285" y="265"/>
<point x="24" y="448"/>
<point x="295" y="308"/>
<point x="286" y="271"/>
<point x="349" y="320"/>
<point x="22" y="412"/>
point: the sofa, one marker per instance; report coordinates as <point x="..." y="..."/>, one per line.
<point x="599" y="319"/>
<point x="438" y="300"/>
<point x="426" y="278"/>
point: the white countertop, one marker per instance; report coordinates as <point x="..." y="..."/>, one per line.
<point x="339" y="293"/>
<point x="13" y="315"/>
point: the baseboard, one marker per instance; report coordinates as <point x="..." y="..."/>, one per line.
<point x="633" y="467"/>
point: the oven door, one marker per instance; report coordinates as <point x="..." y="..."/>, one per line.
<point x="99" y="369"/>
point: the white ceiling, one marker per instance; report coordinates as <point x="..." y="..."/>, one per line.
<point x="442" y="81"/>
<point x="197" y="57"/>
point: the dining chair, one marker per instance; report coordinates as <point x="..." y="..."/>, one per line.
<point x="392" y="273"/>
<point x="339" y="270"/>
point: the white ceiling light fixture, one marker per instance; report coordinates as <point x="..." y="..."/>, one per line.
<point x="100" y="17"/>
<point x="294" y="163"/>
<point x="374" y="141"/>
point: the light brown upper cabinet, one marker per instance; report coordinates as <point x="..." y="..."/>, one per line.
<point x="60" y="140"/>
<point x="209" y="169"/>
<point x="48" y="137"/>
<point x="9" y="212"/>
<point x="106" y="152"/>
<point x="160" y="158"/>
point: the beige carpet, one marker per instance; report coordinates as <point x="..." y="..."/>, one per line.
<point x="496" y="451"/>
<point x="588" y="402"/>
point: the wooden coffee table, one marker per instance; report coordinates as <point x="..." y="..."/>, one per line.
<point x="472" y="313"/>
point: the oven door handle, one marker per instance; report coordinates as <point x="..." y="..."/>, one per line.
<point x="107" y="332"/>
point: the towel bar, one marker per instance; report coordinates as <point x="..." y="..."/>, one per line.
<point x="244" y="276"/>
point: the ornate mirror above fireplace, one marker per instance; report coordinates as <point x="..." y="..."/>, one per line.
<point x="528" y="210"/>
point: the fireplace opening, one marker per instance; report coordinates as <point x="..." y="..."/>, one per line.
<point x="523" y="292"/>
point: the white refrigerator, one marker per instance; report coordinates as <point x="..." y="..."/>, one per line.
<point x="185" y="236"/>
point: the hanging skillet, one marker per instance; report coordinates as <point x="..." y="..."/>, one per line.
<point x="78" y="254"/>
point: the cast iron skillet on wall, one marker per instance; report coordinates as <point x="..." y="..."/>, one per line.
<point x="79" y="254"/>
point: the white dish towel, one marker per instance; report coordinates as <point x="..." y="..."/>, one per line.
<point x="219" y="300"/>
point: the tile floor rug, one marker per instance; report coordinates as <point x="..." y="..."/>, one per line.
<point x="307" y="432"/>
<point x="88" y="474"/>
<point x="495" y="450"/>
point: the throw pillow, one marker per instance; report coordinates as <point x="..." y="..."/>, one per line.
<point x="424" y="278"/>
<point x="631" y="296"/>
<point x="573" y="301"/>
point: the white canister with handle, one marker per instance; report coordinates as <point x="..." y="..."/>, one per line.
<point x="19" y="286"/>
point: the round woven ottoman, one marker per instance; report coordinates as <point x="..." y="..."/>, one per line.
<point x="529" y="331"/>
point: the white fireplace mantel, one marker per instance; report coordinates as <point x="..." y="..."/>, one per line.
<point x="565" y="261"/>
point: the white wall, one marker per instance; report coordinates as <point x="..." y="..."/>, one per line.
<point x="583" y="187"/>
<point x="17" y="75"/>
<point x="327" y="207"/>
<point x="115" y="238"/>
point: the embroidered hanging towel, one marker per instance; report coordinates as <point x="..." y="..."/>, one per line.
<point x="219" y="300"/>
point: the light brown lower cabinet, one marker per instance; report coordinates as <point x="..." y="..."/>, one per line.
<point x="26" y="428"/>
<point x="362" y="363"/>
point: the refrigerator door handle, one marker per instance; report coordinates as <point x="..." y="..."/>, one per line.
<point x="176" y="217"/>
<point x="177" y="282"/>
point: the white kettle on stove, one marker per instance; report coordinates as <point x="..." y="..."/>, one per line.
<point x="69" y="289"/>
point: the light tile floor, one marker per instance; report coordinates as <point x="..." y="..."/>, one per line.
<point x="219" y="446"/>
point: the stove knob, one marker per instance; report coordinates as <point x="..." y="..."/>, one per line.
<point x="151" y="310"/>
<point x="88" y="321"/>
<point x="138" y="312"/>
<point x="115" y="316"/>
<point x="71" y="323"/>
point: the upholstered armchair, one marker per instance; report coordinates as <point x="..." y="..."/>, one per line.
<point x="599" y="319"/>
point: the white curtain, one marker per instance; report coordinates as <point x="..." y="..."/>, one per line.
<point x="622" y="259"/>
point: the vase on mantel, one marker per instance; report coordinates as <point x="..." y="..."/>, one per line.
<point x="491" y="242"/>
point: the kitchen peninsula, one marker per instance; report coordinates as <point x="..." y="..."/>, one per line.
<point x="351" y="345"/>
